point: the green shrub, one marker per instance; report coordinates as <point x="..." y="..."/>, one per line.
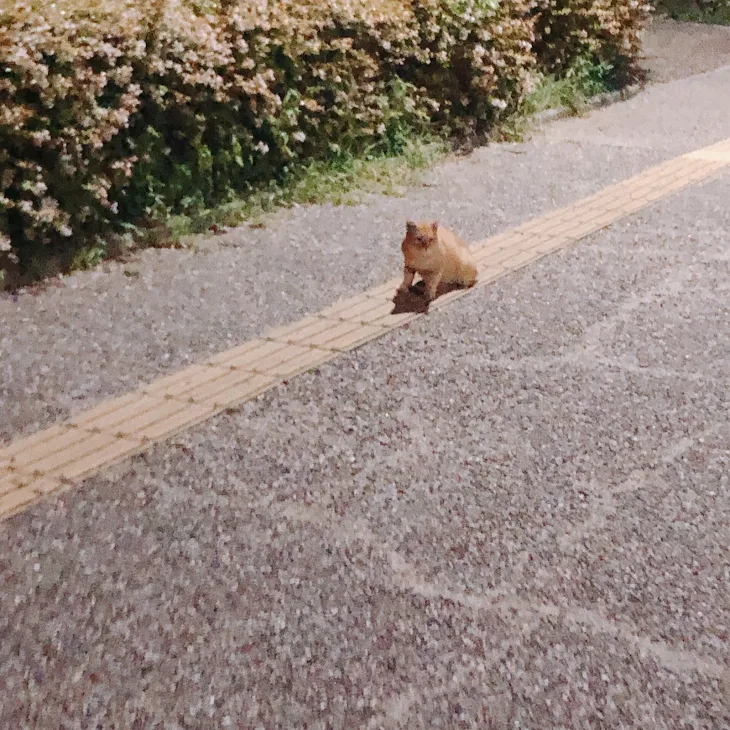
<point x="714" y="12"/>
<point x="115" y="114"/>
<point x="607" y="32"/>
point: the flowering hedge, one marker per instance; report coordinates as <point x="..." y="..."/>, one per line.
<point x="604" y="31"/>
<point x="115" y="112"/>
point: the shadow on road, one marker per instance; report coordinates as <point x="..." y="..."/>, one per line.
<point x="414" y="300"/>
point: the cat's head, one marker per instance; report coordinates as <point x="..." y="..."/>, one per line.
<point x="421" y="234"/>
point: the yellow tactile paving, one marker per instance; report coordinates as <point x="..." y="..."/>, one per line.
<point x="212" y="393"/>
<point x="348" y="340"/>
<point x="179" y="382"/>
<point x="16" y="500"/>
<point x="449" y="297"/>
<point x="241" y="390"/>
<point x="110" y="419"/>
<point x="282" y="334"/>
<point x="328" y="333"/>
<point x="384" y="291"/>
<point x="489" y="273"/>
<point x="719" y="152"/>
<point x="244" y="356"/>
<point x="359" y="309"/>
<point x="351" y="304"/>
<point x="22" y="446"/>
<point x="552" y="243"/>
<point x="268" y="358"/>
<point x="12" y="481"/>
<point x="367" y="312"/>
<point x="8" y="481"/>
<point x="25" y="491"/>
<point x="313" y="334"/>
<point x="65" y="453"/>
<point x="292" y="361"/>
<point x="155" y="425"/>
<point x="26" y="453"/>
<point x="94" y="450"/>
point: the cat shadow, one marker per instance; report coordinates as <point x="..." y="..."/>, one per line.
<point x="414" y="299"/>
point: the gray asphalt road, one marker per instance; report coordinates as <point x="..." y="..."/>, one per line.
<point x="513" y="513"/>
<point x="675" y="50"/>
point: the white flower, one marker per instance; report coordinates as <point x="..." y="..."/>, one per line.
<point x="299" y="136"/>
<point x="262" y="147"/>
<point x="4" y="243"/>
<point x="40" y="137"/>
<point x="499" y="104"/>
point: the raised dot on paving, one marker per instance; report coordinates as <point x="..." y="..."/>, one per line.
<point x="8" y="481"/>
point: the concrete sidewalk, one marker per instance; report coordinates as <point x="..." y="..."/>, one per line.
<point x="513" y="513"/>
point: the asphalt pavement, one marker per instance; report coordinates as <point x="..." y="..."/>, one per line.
<point x="512" y="513"/>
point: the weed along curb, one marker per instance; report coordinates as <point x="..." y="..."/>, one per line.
<point x="595" y="102"/>
<point x="65" y="454"/>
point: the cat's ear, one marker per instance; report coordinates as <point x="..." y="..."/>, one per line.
<point x="411" y="226"/>
<point x="435" y="226"/>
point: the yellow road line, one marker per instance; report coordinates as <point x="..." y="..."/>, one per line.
<point x="66" y="453"/>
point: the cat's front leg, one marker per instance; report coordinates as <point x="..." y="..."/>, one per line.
<point x="432" y="281"/>
<point x="409" y="275"/>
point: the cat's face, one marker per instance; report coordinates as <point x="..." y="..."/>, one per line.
<point x="421" y="234"/>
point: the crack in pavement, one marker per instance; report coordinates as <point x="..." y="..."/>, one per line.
<point x="406" y="577"/>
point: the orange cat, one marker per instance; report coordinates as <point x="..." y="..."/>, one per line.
<point x="438" y="255"/>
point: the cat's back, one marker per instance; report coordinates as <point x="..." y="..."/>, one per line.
<point x="452" y="240"/>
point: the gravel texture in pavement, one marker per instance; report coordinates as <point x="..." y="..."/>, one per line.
<point x="512" y="513"/>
